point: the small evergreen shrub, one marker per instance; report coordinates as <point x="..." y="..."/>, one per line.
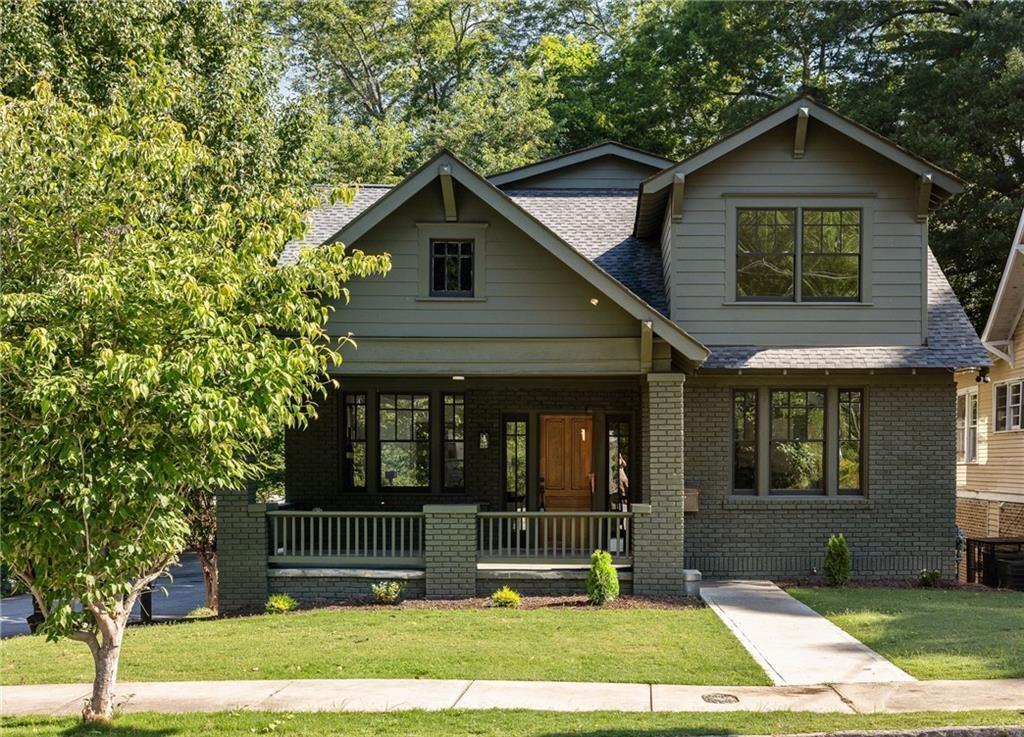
<point x="837" y="566"/>
<point x="505" y="598"/>
<point x="387" y="592"/>
<point x="929" y="578"/>
<point x="280" y="604"/>
<point x="201" y="612"/>
<point x="603" y="579"/>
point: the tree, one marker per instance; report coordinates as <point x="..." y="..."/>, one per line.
<point x="150" y="344"/>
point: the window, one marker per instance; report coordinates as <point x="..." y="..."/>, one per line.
<point x="765" y="246"/>
<point x="830" y="255"/>
<point x="1009" y="406"/>
<point x="798" y="254"/>
<point x="454" y="441"/>
<point x="404" y="439"/>
<point x="851" y="417"/>
<point x="797" y="440"/>
<point x="620" y="454"/>
<point x="514" y="461"/>
<point x="353" y="462"/>
<point x="967" y="427"/>
<point x="451" y="268"/>
<point x="744" y="438"/>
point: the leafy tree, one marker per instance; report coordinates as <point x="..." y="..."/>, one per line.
<point x="150" y="344"/>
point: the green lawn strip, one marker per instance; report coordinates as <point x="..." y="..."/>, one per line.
<point x="496" y="723"/>
<point x="689" y="646"/>
<point x="931" y="633"/>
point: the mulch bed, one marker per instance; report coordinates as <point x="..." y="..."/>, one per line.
<point x="880" y="583"/>
<point x="532" y="602"/>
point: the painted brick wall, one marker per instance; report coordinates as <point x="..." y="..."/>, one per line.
<point x="450" y="550"/>
<point x="905" y="523"/>
<point x="241" y="553"/>
<point x="329" y="589"/>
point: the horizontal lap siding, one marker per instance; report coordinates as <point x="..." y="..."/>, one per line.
<point x="699" y="255"/>
<point x="529" y="293"/>
<point x="604" y="172"/>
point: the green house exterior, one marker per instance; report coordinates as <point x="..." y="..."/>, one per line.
<point x="705" y="367"/>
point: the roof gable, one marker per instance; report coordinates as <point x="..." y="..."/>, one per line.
<point x="652" y="162"/>
<point x="1008" y="307"/>
<point x="600" y="279"/>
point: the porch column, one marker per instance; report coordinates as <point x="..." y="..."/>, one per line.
<point x="658" y="522"/>
<point x="241" y="552"/>
<point x="449" y="550"/>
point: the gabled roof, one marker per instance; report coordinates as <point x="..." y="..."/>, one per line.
<point x="605" y="148"/>
<point x="654" y="190"/>
<point x="508" y="208"/>
<point x="1008" y="307"/>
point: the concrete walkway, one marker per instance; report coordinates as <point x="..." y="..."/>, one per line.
<point x="391" y="695"/>
<point x="793" y="643"/>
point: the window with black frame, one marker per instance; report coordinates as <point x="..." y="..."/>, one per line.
<point x="744" y="456"/>
<point x="514" y="462"/>
<point x="797" y="441"/>
<point x="404" y="441"/>
<point x="353" y="462"/>
<point x="451" y="268"/>
<point x="454" y="441"/>
<point x="851" y="434"/>
<point x="620" y="458"/>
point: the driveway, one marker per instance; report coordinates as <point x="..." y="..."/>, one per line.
<point x="184" y="593"/>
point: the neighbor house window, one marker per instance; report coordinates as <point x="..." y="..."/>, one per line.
<point x="454" y="441"/>
<point x="851" y="440"/>
<point x="451" y="268"/>
<point x="744" y="439"/>
<point x="404" y="439"/>
<point x="798" y="254"/>
<point x="1008" y="406"/>
<point x="620" y="456"/>
<point x="830" y="255"/>
<point x="797" y="440"/>
<point x="353" y="462"/>
<point x="967" y="427"/>
<point x="514" y="462"/>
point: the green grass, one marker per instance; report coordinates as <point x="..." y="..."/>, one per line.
<point x="493" y="724"/>
<point x="565" y="644"/>
<point x="931" y="633"/>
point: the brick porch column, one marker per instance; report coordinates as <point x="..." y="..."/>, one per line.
<point x="449" y="542"/>
<point x="658" y="522"/>
<point x="241" y="552"/>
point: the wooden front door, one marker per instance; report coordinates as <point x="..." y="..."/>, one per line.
<point x="566" y="458"/>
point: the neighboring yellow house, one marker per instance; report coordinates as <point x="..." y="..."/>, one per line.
<point x="990" y="416"/>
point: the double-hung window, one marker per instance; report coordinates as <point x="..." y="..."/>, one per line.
<point x="798" y="254"/>
<point x="967" y="426"/>
<point x="1008" y="407"/>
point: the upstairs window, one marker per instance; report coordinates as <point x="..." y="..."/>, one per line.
<point x="798" y="254"/>
<point x="451" y="268"/>
<point x="1009" y="404"/>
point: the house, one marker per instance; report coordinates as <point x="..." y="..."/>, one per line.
<point x="704" y="367"/>
<point x="990" y="427"/>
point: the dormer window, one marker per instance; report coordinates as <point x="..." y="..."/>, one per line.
<point x="451" y="268"/>
<point x="798" y="254"/>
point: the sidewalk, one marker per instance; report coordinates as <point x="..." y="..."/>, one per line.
<point x="389" y="695"/>
<point x="793" y="643"/>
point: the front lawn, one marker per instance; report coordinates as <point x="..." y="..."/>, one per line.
<point x="646" y="645"/>
<point x="931" y="633"/>
<point x="493" y="724"/>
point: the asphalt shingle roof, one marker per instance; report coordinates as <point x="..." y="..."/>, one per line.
<point x="599" y="224"/>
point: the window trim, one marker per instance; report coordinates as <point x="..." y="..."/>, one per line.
<point x="429" y="232"/>
<point x="799" y="201"/>
<point x="382" y="488"/>
<point x="967" y="393"/>
<point x="1008" y="383"/>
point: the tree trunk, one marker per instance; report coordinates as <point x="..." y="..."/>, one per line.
<point x="208" y="562"/>
<point x="100" y="708"/>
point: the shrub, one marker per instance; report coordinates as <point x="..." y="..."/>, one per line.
<point x="603" y="579"/>
<point x="837" y="561"/>
<point x="506" y="598"/>
<point x="387" y="592"/>
<point x="201" y="612"/>
<point x="281" y="603"/>
<point x="929" y="577"/>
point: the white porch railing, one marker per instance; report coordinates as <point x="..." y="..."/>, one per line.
<point x="346" y="538"/>
<point x="553" y="537"/>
